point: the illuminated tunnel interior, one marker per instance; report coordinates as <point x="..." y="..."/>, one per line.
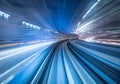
<point x="59" y="41"/>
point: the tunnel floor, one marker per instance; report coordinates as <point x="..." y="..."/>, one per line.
<point x="64" y="62"/>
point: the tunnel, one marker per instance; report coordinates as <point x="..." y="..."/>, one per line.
<point x="59" y="41"/>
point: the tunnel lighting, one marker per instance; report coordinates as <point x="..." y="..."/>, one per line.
<point x="37" y="27"/>
<point x="79" y="23"/>
<point x="90" y="39"/>
<point x="47" y="30"/>
<point x="23" y="23"/>
<point x="1" y="13"/>
<point x="56" y="32"/>
<point x="30" y="25"/>
<point x="90" y="9"/>
<point x="4" y="15"/>
<point x="9" y="53"/>
<point x="34" y="27"/>
<point x="85" y="27"/>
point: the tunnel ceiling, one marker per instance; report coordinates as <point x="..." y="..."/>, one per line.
<point x="59" y="41"/>
<point x="65" y="16"/>
<point x="53" y="14"/>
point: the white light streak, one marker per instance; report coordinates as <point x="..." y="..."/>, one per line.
<point x="12" y="71"/>
<point x="13" y="52"/>
<point x="47" y="30"/>
<point x="85" y="27"/>
<point x="8" y="79"/>
<point x="90" y="9"/>
<point x="4" y="15"/>
<point x="56" y="32"/>
<point x="90" y="39"/>
<point x="30" y="25"/>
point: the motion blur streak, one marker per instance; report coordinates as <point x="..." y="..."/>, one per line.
<point x="27" y="57"/>
<point x="59" y="41"/>
<point x="69" y="61"/>
<point x="13" y="52"/>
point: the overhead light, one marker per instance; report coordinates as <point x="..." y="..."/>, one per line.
<point x="55" y="32"/>
<point x="90" y="9"/>
<point x="38" y="27"/>
<point x="27" y="24"/>
<point x="23" y="22"/>
<point x="5" y="15"/>
<point x="84" y="28"/>
<point x="78" y="23"/>
<point x="47" y="29"/>
<point x="30" y="25"/>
